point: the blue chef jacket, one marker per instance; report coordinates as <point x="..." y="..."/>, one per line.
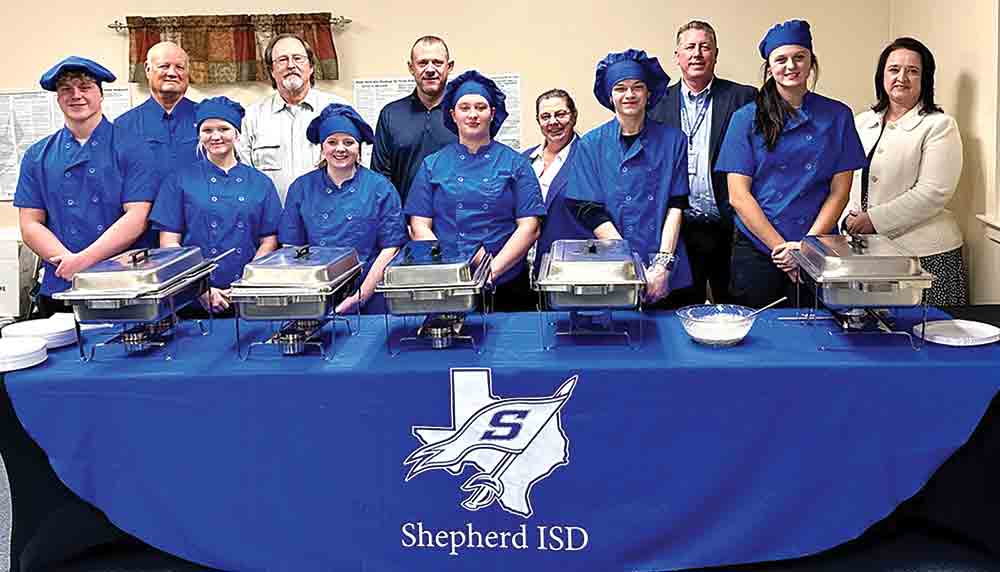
<point x="363" y="213"/>
<point x="476" y="197"/>
<point x="791" y="182"/>
<point x="82" y="187"/>
<point x="217" y="211"/>
<point x="635" y="185"/>
<point x="173" y="137"/>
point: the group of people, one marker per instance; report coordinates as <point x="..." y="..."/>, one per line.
<point x="713" y="183"/>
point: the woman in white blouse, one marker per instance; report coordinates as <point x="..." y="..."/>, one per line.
<point x="914" y="162"/>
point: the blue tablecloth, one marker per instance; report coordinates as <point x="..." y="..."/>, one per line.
<point x="586" y="457"/>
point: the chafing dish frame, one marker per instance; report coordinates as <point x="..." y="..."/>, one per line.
<point x="321" y="300"/>
<point x="159" y="305"/>
<point x="837" y="294"/>
<point x="556" y="296"/>
<point x="478" y="289"/>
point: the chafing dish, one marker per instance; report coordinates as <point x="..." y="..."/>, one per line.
<point x="427" y="278"/>
<point x="299" y="286"/>
<point x="591" y="275"/>
<point x="294" y="283"/>
<point x="862" y="271"/>
<point x="591" y="279"/>
<point x="143" y="288"/>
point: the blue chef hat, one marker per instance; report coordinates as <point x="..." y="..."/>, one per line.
<point x="630" y="64"/>
<point x="473" y="82"/>
<point x="792" y="32"/>
<point x="339" y="118"/>
<point x="100" y="73"/>
<point x="219" y="108"/>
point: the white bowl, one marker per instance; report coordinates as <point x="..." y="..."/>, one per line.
<point x="718" y="325"/>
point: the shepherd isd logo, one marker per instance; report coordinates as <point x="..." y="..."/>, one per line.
<point x="512" y="443"/>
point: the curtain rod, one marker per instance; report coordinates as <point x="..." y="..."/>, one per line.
<point x="339" y="23"/>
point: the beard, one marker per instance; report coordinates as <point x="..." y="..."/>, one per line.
<point x="292" y="83"/>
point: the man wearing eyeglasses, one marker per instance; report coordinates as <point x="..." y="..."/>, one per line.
<point x="411" y="128"/>
<point x="273" y="137"/>
<point x="701" y="105"/>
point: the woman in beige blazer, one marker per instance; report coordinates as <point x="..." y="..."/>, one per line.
<point x="914" y="162"/>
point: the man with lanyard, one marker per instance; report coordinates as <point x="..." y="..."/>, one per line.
<point x="411" y="128"/>
<point x="83" y="192"/>
<point x="273" y="138"/>
<point x="701" y="105"/>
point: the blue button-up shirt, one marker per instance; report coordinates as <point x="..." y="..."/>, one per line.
<point x="476" y="197"/>
<point x="635" y="185"/>
<point x="406" y="133"/>
<point x="217" y="211"/>
<point x="791" y="182"/>
<point x="82" y="188"/>
<point x="364" y="213"/>
<point x="172" y="137"/>
<point x="702" y="197"/>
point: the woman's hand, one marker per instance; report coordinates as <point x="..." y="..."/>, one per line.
<point x="859" y="223"/>
<point x="657" y="279"/>
<point x="215" y="300"/>
<point x="781" y="255"/>
<point x="67" y="265"/>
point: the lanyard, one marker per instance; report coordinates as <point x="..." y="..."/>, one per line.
<point x="702" y="111"/>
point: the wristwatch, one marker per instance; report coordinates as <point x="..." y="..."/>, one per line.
<point x="664" y="260"/>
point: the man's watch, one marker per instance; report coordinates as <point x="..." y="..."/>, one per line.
<point x="664" y="260"/>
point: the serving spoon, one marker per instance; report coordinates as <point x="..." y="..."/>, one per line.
<point x="771" y="305"/>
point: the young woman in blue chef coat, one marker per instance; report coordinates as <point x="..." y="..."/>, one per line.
<point x="630" y="179"/>
<point x="344" y="204"/>
<point x="480" y="191"/>
<point x="218" y="203"/>
<point x="790" y="158"/>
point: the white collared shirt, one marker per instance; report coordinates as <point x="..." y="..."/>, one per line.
<point x="538" y="164"/>
<point x="702" y="198"/>
<point x="273" y="137"/>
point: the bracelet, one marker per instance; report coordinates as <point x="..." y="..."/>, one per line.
<point x="664" y="260"/>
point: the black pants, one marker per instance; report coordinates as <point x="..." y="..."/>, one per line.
<point x="516" y="295"/>
<point x="47" y="306"/>
<point x="709" y="251"/>
<point x="756" y="281"/>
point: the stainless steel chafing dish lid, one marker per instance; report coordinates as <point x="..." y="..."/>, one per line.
<point x="430" y="263"/>
<point x="866" y="257"/>
<point x="304" y="267"/>
<point x="138" y="271"/>
<point x="590" y="262"/>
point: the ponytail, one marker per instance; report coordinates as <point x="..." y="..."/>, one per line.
<point x="772" y="109"/>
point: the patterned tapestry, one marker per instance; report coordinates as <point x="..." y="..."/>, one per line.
<point x="227" y="49"/>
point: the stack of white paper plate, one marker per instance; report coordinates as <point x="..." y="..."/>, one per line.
<point x="57" y="331"/>
<point x="20" y="352"/>
<point x="958" y="332"/>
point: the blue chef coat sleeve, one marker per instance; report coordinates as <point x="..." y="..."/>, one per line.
<point x="852" y="153"/>
<point x="391" y="223"/>
<point x="292" y="228"/>
<point x="527" y="191"/>
<point x="168" y="210"/>
<point x="736" y="155"/>
<point x="420" y="199"/>
<point x="28" y="193"/>
<point x="271" y="216"/>
<point x="142" y="178"/>
<point x="585" y="175"/>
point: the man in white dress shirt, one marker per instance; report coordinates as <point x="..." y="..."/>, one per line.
<point x="273" y="138"/>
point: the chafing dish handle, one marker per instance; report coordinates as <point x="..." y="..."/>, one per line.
<point x="137" y="257"/>
<point x="302" y="252"/>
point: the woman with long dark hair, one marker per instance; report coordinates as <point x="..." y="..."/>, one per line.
<point x="789" y="156"/>
<point x="914" y="155"/>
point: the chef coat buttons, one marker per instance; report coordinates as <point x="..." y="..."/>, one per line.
<point x="322" y="243"/>
<point x="91" y="170"/>
<point x="487" y="155"/>
<point x="93" y="143"/>
<point x="628" y="197"/>
<point x="240" y="224"/>
<point x="782" y="167"/>
<point x="461" y="179"/>
<point x="485" y="206"/>
<point x="328" y="191"/>
<point x="462" y="157"/>
<point x="215" y="224"/>
<point x="779" y="196"/>
<point x="460" y="205"/>
<point x="350" y="217"/>
<point x="239" y="251"/>
<point x="809" y="137"/>
<point x="215" y="251"/>
<point x="70" y="202"/>
<point x="67" y="145"/>
<point x="486" y="179"/>
<point x="100" y="227"/>
<point x="94" y="199"/>
<point x="650" y="197"/>
<point x="67" y="175"/>
<point x="215" y="199"/>
<point x="809" y="166"/>
<point x="239" y="179"/>
<point x="624" y="169"/>
<point x="213" y="179"/>
<point x="325" y="216"/>
<point x="241" y="198"/>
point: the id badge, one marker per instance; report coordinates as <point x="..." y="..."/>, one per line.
<point x="692" y="162"/>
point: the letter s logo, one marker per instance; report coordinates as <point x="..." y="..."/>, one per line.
<point x="506" y="424"/>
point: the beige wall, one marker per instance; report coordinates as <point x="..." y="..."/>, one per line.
<point x="964" y="45"/>
<point x="556" y="44"/>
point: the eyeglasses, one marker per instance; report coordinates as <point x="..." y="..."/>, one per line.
<point x="298" y="59"/>
<point x="561" y="115"/>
